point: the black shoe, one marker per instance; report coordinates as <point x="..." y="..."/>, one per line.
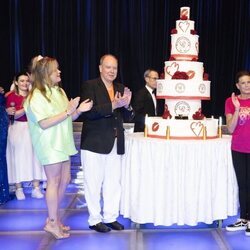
<point x="100" y="227"/>
<point x="115" y="225"/>
<point x="239" y="225"/>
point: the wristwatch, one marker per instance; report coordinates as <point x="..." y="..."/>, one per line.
<point x="129" y="108"/>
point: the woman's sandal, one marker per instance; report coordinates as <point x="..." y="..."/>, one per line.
<point x="52" y="228"/>
<point x="63" y="227"/>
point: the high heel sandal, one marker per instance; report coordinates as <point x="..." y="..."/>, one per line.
<point x="53" y="228"/>
<point x="64" y="228"/>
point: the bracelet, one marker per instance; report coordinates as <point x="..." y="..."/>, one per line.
<point x="67" y="113"/>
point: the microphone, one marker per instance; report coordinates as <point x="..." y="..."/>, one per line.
<point x="12" y="117"/>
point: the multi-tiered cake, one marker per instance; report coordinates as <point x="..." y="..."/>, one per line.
<point x="183" y="88"/>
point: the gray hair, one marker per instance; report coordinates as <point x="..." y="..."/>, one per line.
<point x="148" y="71"/>
<point x="104" y="56"/>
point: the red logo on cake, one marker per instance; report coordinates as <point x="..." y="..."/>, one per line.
<point x="155" y="126"/>
<point x="184" y="14"/>
<point x="170" y="70"/>
<point x="191" y="74"/>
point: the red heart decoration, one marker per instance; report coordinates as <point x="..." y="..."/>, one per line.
<point x="170" y="70"/>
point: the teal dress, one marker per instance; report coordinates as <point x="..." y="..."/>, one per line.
<point x="4" y="186"/>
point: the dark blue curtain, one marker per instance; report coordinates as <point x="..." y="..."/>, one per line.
<point x="78" y="32"/>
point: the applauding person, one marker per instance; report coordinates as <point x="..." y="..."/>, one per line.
<point x="102" y="144"/>
<point x="237" y="109"/>
<point x="50" y="116"/>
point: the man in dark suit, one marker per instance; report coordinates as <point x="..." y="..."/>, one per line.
<point x="145" y="101"/>
<point x="102" y="144"/>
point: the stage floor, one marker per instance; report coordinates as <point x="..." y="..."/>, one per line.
<point x="21" y="227"/>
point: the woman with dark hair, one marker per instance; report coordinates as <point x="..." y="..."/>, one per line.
<point x="4" y="187"/>
<point x="237" y="110"/>
<point x="21" y="161"/>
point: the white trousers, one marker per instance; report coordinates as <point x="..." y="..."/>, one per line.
<point x="102" y="174"/>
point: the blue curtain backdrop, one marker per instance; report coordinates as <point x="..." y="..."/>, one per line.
<point x="78" y="32"/>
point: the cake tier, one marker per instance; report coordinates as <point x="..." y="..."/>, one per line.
<point x="184" y="47"/>
<point x="182" y="129"/>
<point x="183" y="107"/>
<point x="194" y="70"/>
<point x="183" y="89"/>
<point x="184" y="26"/>
<point x="185" y="12"/>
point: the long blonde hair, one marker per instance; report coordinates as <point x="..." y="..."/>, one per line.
<point x="41" y="72"/>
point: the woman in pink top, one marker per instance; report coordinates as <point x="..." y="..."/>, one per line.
<point x="237" y="110"/>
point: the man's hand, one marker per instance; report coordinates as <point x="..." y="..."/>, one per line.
<point x="122" y="100"/>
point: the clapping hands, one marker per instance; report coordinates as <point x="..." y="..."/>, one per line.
<point x="86" y="105"/>
<point x="72" y="105"/>
<point x="122" y="100"/>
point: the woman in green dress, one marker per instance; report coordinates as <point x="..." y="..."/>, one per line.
<point x="50" y="116"/>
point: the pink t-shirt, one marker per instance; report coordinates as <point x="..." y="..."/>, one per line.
<point x="241" y="134"/>
<point x="12" y="99"/>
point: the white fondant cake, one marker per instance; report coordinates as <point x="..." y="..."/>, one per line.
<point x="189" y="89"/>
<point x="182" y="129"/>
<point x="183" y="107"/>
<point x="184" y="41"/>
<point x="184" y="47"/>
<point x="194" y="70"/>
<point x="183" y="88"/>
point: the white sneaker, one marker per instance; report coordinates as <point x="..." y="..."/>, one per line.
<point x="19" y="194"/>
<point x="44" y="185"/>
<point x="36" y="193"/>
<point x="247" y="232"/>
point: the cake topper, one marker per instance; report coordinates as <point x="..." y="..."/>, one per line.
<point x="184" y="13"/>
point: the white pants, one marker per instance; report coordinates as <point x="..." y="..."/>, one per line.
<point x="102" y="173"/>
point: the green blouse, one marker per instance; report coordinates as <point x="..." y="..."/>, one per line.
<point x="54" y="144"/>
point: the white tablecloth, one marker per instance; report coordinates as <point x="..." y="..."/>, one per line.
<point x="176" y="181"/>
